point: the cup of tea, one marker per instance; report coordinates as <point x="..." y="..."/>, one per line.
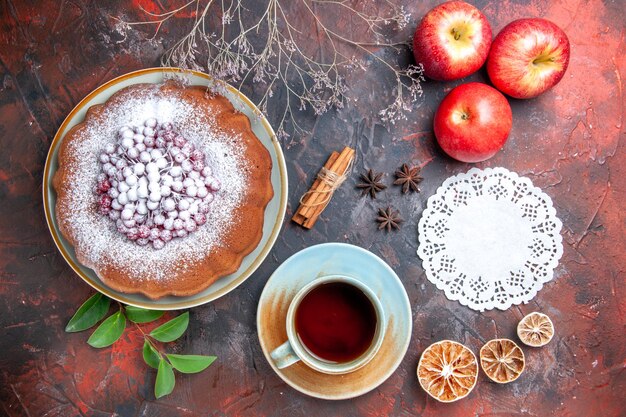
<point x="335" y="325"/>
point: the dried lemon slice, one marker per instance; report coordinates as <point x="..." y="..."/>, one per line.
<point x="502" y="360"/>
<point x="447" y="371"/>
<point x="536" y="329"/>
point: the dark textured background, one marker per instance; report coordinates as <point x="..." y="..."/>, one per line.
<point x="569" y="142"/>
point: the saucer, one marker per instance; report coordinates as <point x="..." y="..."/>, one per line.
<point x="341" y="259"/>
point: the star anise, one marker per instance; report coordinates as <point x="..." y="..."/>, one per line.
<point x="371" y="183"/>
<point x="388" y="219"/>
<point x="408" y="178"/>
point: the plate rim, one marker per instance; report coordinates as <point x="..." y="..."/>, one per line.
<point x="404" y="347"/>
<point x="177" y="305"/>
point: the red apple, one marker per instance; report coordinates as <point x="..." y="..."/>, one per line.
<point x="528" y="57"/>
<point x="473" y="122"/>
<point x="452" y="41"/>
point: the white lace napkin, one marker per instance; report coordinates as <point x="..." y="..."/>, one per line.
<point x="489" y="239"/>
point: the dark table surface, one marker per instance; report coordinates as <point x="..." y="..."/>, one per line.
<point x="569" y="142"/>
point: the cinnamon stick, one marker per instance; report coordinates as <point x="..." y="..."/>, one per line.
<point x="298" y="217"/>
<point x="317" y="198"/>
<point x="321" y="201"/>
<point x="307" y="200"/>
<point x="321" y="192"/>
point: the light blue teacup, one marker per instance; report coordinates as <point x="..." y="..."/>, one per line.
<point x="293" y="350"/>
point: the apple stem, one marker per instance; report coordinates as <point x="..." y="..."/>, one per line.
<point x="543" y="59"/>
<point x="456" y="33"/>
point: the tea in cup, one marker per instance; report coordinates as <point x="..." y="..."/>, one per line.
<point x="335" y="324"/>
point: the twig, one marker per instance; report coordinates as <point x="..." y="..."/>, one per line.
<point x="267" y="48"/>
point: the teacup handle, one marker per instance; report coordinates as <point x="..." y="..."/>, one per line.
<point x="284" y="355"/>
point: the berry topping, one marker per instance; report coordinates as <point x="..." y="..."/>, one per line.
<point x="103" y="186"/>
<point x="155" y="185"/>
<point x="143" y="231"/>
<point x="165" y="235"/>
<point x="105" y="201"/>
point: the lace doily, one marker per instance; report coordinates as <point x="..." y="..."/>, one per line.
<point x="489" y="239"/>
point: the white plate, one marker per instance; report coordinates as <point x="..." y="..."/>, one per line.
<point x="274" y="212"/>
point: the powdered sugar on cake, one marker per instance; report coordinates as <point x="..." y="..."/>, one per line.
<point x="97" y="237"/>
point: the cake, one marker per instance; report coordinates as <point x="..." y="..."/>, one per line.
<point x="162" y="189"/>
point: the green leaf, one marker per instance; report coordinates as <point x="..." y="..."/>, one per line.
<point x="150" y="355"/>
<point x="190" y="364"/>
<point x="141" y="315"/>
<point x="109" y="331"/>
<point x="165" y="379"/>
<point x="91" y="312"/>
<point x="171" y="330"/>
